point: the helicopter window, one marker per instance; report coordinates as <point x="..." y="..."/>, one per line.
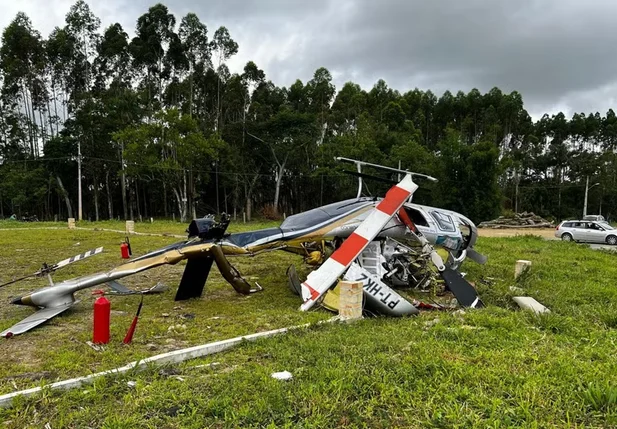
<point x="416" y="217"/>
<point x="444" y="221"/>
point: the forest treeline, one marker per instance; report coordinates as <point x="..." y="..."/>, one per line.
<point x="164" y="129"/>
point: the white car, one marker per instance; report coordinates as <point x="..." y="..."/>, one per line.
<point x="586" y="231"/>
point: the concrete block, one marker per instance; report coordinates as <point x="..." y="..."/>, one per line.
<point x="130" y="227"/>
<point x="529" y="303"/>
<point x="71" y="223"/>
<point x="521" y="267"/>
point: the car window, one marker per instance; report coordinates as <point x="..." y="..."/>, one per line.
<point x="444" y="221"/>
<point x="567" y="225"/>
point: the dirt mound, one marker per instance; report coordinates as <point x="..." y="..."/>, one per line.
<point x="519" y="220"/>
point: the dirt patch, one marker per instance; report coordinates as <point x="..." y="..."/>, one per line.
<point x="541" y="232"/>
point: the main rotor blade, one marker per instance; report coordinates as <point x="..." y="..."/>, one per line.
<point x="371" y="177"/>
<point x="18" y="280"/>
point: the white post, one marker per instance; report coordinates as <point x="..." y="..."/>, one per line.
<point x="71" y="223"/>
<point x="80" y="217"/>
<point x="130" y="227"/>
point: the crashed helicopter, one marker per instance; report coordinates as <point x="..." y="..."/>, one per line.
<point x="362" y="239"/>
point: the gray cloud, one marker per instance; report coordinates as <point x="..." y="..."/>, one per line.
<point x="558" y="54"/>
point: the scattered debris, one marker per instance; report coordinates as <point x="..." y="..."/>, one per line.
<point x="519" y="220"/>
<point x="431" y="323"/>
<point x="365" y="221"/>
<point x="172" y="411"/>
<point x="169" y="371"/>
<point x="165" y="315"/>
<point x="187" y="316"/>
<point x="175" y="356"/>
<point x="95" y="347"/>
<point x="516" y="289"/>
<point x="131" y="383"/>
<point x="176" y="329"/>
<point x="32" y="375"/>
<point x="529" y="303"/>
<point x="151" y="347"/>
<point x="208" y="365"/>
<point x="128" y="338"/>
<point x="284" y="375"/>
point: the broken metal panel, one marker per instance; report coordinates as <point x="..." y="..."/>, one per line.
<point x="379" y="298"/>
<point x="319" y="281"/>
<point x="293" y="281"/>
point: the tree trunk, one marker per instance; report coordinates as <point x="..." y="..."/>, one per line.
<point x="249" y="196"/>
<point x="123" y="185"/>
<point x="96" y="200"/>
<point x="216" y="179"/>
<point x="57" y="119"/>
<point x="27" y="110"/>
<point x="517" y="179"/>
<point x="110" y="202"/>
<point x="43" y="133"/>
<point x="277" y="190"/>
<point x="137" y="201"/>
<point x="165" y="200"/>
<point x="184" y="199"/>
<point x="65" y="194"/>
<point x="181" y="204"/>
<point x="145" y="202"/>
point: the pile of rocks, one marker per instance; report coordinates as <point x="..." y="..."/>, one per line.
<point x="519" y="220"/>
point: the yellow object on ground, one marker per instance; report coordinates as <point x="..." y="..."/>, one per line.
<point x="331" y="299"/>
<point x="314" y="258"/>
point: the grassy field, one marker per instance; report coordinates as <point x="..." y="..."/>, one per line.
<point x="495" y="367"/>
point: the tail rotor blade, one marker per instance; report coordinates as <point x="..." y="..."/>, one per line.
<point x="48" y="269"/>
<point x="76" y="258"/>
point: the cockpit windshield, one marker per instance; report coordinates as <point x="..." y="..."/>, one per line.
<point x="444" y="221"/>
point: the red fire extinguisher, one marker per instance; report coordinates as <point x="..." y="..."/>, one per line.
<point x="102" y="311"/>
<point x="125" y="249"/>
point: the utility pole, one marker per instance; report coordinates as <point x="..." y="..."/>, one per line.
<point x="587" y="188"/>
<point x="586" y="193"/>
<point x="79" y="180"/>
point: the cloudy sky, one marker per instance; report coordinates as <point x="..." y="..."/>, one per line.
<point x="560" y="54"/>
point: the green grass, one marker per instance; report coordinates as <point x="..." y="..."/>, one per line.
<point x="495" y="367"/>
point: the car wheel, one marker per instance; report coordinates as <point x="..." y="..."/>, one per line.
<point x="611" y="239"/>
<point x="566" y="237"/>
